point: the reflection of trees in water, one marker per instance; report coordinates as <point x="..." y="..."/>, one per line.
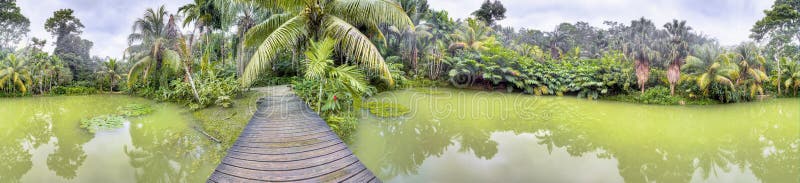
<point x="16" y="161"/>
<point x="69" y="154"/>
<point x="646" y="152"/>
<point x="168" y="155"/>
<point x="29" y="132"/>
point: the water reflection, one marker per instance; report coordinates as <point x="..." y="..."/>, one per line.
<point x="649" y="143"/>
<point x="40" y="141"/>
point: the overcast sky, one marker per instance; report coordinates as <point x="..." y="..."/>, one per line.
<point x="108" y="22"/>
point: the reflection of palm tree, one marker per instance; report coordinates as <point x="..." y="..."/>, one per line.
<point x="66" y="160"/>
<point x="153" y="166"/>
<point x="166" y="155"/>
<point x="16" y="161"/>
<point x="69" y="155"/>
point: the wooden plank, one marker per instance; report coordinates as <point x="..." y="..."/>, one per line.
<point x="285" y="141"/>
<point x="287" y="156"/>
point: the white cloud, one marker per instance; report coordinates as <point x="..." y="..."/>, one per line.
<point x="108" y="22"/>
<point x="727" y="20"/>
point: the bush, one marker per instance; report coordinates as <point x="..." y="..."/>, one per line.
<point x="73" y="90"/>
<point x="210" y="89"/>
<point x="344" y="124"/>
<point x="658" y="95"/>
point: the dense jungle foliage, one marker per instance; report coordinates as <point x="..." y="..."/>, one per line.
<point x="336" y="52"/>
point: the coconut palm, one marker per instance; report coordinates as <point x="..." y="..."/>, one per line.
<point x="716" y="73"/>
<point x="791" y="73"/>
<point x="203" y="13"/>
<point x="679" y="50"/>
<point x="751" y="72"/>
<point x="111" y="73"/>
<point x="151" y="44"/>
<point x="319" y="67"/>
<point x="470" y="35"/>
<point x="15" y="74"/>
<point x="751" y="77"/>
<point x="642" y="33"/>
<point x="304" y="20"/>
<point x="559" y="39"/>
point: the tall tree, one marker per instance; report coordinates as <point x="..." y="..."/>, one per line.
<point x="560" y="39"/>
<point x="491" y="12"/>
<point x="204" y="14"/>
<point x="62" y="25"/>
<point x="13" y="25"/>
<point x="69" y="46"/>
<point x="304" y="20"/>
<point x="642" y="34"/>
<point x="151" y="47"/>
<point x="780" y="26"/>
<point x="679" y="50"/>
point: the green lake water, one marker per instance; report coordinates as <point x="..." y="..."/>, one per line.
<point x="41" y="141"/>
<point x="466" y="136"/>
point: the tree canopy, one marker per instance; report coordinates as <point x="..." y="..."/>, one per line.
<point x="491" y="12"/>
<point x="13" y="25"/>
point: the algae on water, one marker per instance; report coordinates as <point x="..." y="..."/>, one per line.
<point x="134" y="110"/>
<point x="387" y="109"/>
<point x="104" y="122"/>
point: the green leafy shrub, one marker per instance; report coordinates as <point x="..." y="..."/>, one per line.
<point x="344" y="124"/>
<point x="134" y="110"/>
<point x="658" y="95"/>
<point x="105" y="122"/>
<point x="73" y="90"/>
<point x="210" y="89"/>
<point x="386" y="109"/>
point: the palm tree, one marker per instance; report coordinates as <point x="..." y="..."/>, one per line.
<point x="470" y="35"/>
<point x="714" y="74"/>
<point x="640" y="49"/>
<point x="792" y="74"/>
<point x="558" y="39"/>
<point x="204" y="14"/>
<point x="320" y="67"/>
<point x="752" y="77"/>
<point x="751" y="71"/>
<point x="304" y="20"/>
<point x="150" y="46"/>
<point x="249" y="15"/>
<point x="679" y="50"/>
<point x="111" y="73"/>
<point x="15" y="74"/>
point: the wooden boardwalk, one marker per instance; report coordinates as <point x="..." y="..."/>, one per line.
<point x="286" y="141"/>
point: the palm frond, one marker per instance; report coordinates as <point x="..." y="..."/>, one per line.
<point x="367" y="12"/>
<point x="288" y="35"/>
<point x="356" y="45"/>
<point x="260" y="32"/>
<point x="172" y="60"/>
<point x="139" y="69"/>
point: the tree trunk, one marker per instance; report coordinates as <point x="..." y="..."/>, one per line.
<point x="673" y="75"/>
<point x="642" y="73"/>
<point x="191" y="82"/>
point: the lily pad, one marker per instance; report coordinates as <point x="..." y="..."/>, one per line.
<point x="104" y="122"/>
<point x="134" y="110"/>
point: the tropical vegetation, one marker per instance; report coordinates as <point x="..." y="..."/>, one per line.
<point x="335" y="53"/>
